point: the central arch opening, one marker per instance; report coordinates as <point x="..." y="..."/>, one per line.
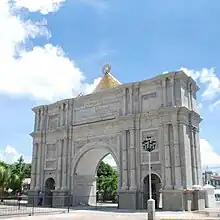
<point x="96" y="178"/>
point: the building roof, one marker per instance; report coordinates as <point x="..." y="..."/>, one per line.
<point x="215" y="177"/>
<point x="108" y="81"/>
<point x="217" y="191"/>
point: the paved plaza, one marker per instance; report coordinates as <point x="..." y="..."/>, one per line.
<point x="98" y="215"/>
<point x="26" y="213"/>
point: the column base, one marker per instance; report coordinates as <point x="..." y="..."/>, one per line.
<point x="199" y="199"/>
<point x="33" y="198"/>
<point x="127" y="199"/>
<point x="173" y="200"/>
<point x="61" y="198"/>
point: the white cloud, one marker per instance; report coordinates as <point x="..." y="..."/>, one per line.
<point x="42" y="73"/>
<point x="11" y="155"/>
<point x="208" y="155"/>
<point x="110" y="160"/>
<point x="99" y="5"/>
<point x="215" y="105"/>
<point x="43" y="6"/>
<point x="207" y="77"/>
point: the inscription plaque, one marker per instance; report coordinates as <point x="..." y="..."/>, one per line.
<point x="53" y="122"/>
<point x="51" y="164"/>
<point x="51" y="151"/>
<point x="93" y="112"/>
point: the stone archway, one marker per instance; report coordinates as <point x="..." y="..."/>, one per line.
<point x="48" y="196"/>
<point x="84" y="173"/>
<point x="155" y="187"/>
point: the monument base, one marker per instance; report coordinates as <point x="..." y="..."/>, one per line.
<point x="183" y="200"/>
<point x="199" y="199"/>
<point x="61" y="198"/>
<point x="173" y="200"/>
<point x="33" y="198"/>
<point x="128" y="199"/>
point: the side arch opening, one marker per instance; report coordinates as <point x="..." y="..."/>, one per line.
<point x="48" y="194"/>
<point x="155" y="190"/>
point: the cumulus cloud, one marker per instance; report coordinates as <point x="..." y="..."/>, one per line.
<point x="208" y="78"/>
<point x="215" y="105"/>
<point x="42" y="73"/>
<point x="43" y="6"/>
<point x="210" y="159"/>
<point x="11" y="155"/>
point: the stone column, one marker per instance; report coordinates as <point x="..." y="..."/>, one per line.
<point x="164" y="93"/>
<point x="64" y="165"/>
<point x="38" y="166"/>
<point x="38" y="119"/>
<point x="124" y="161"/>
<point x="168" y="180"/>
<point x="35" y="121"/>
<point x="124" y="101"/>
<point x="177" y="163"/>
<point x="59" y="165"/>
<point x="42" y="120"/>
<point x="188" y="91"/>
<point x="66" y="115"/>
<point x="131" y="100"/>
<point x="61" y="115"/>
<point x="193" y="157"/>
<point x="198" y="157"/>
<point x="173" y="91"/>
<point x="34" y="167"/>
<point x="133" y="185"/>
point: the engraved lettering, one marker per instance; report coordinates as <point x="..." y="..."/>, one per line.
<point x="97" y="111"/>
<point x="149" y="96"/>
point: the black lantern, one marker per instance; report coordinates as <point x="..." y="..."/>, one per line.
<point x="148" y="144"/>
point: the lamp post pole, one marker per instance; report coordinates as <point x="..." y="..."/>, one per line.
<point x="149" y="145"/>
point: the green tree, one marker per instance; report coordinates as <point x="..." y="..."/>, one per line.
<point x="4" y="176"/>
<point x="107" y="181"/>
<point x="18" y="172"/>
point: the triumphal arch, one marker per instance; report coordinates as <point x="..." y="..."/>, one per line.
<point x="71" y="136"/>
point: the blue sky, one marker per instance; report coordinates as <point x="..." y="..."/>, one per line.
<point x="55" y="49"/>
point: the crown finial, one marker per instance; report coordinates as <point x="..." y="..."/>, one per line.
<point x="106" y="69"/>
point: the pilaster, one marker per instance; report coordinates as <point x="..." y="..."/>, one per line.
<point x="193" y="156"/>
<point x="164" y="88"/>
<point x="198" y="159"/>
<point x="64" y="165"/>
<point x="38" y="160"/>
<point x="133" y="185"/>
<point x="168" y="180"/>
<point x="33" y="167"/>
<point x="185" y="156"/>
<point x="124" y="161"/>
<point x="61" y="115"/>
<point x="177" y="163"/>
<point x="59" y="164"/>
<point x="173" y="91"/>
<point x="131" y="100"/>
<point x="124" y="101"/>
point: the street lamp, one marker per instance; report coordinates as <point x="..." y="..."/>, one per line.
<point x="149" y="145"/>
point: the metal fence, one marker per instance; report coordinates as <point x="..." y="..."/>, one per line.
<point x="51" y="204"/>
